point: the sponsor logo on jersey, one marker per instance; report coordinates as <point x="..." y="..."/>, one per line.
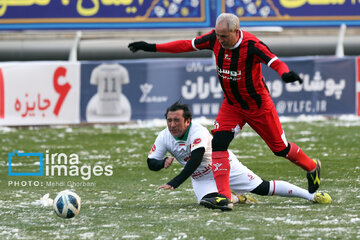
<point x="152" y="149"/>
<point x="196" y="142"/>
<point x="228" y="75"/>
<point x="199" y="174"/>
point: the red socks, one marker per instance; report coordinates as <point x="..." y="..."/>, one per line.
<point x="297" y="156"/>
<point x="221" y="171"/>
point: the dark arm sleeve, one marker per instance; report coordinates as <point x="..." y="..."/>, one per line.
<point x="193" y="163"/>
<point x="154" y="164"/>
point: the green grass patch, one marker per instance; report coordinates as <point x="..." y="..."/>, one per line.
<point x="128" y="205"/>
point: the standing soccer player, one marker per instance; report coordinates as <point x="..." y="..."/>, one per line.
<point x="239" y="55"/>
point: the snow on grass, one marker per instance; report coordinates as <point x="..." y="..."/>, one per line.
<point x="128" y="204"/>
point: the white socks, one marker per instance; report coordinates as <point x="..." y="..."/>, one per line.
<point x="285" y="189"/>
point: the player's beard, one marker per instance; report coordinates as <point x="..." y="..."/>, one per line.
<point x="175" y="132"/>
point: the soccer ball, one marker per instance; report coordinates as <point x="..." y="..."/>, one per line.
<point x="67" y="204"/>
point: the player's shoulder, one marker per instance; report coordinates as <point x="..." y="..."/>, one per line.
<point x="164" y="138"/>
<point x="212" y="31"/>
<point x="164" y="133"/>
<point x="249" y="36"/>
<point x="197" y="128"/>
<point x="208" y="35"/>
<point x="196" y="125"/>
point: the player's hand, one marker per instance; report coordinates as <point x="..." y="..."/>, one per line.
<point x="166" y="186"/>
<point x="291" y="77"/>
<point x="147" y="47"/>
<point x="168" y="162"/>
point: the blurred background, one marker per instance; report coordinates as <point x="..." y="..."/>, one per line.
<point x="45" y="30"/>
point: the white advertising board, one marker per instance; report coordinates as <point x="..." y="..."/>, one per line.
<point x="33" y="93"/>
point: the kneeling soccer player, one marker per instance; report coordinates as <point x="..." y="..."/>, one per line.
<point x="190" y="144"/>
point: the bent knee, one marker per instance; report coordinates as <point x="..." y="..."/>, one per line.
<point x="221" y="140"/>
<point x="262" y="189"/>
<point x="284" y="152"/>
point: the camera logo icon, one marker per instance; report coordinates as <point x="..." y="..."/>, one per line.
<point x="18" y="156"/>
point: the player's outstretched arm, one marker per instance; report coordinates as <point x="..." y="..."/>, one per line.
<point x="177" y="46"/>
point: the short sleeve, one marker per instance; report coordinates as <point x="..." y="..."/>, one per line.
<point x="158" y="150"/>
<point x="199" y="138"/>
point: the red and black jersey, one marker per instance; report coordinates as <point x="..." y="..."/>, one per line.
<point x="238" y="68"/>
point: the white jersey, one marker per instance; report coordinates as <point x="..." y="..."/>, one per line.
<point x="241" y="178"/>
<point x="196" y="136"/>
<point x="109" y="78"/>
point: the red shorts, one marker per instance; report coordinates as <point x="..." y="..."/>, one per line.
<point x="265" y="122"/>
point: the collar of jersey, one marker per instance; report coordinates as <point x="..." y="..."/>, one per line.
<point x="238" y="42"/>
<point x="183" y="138"/>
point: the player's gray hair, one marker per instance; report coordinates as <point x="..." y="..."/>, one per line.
<point x="231" y="20"/>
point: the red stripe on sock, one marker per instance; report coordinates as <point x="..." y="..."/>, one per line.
<point x="273" y="192"/>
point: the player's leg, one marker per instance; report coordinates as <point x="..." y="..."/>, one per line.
<point x="268" y="126"/>
<point x="243" y="180"/>
<point x="226" y="122"/>
<point x="282" y="188"/>
<point x="220" y="161"/>
<point x="220" y="170"/>
<point x="285" y="189"/>
<point x="223" y="133"/>
<point x="297" y="156"/>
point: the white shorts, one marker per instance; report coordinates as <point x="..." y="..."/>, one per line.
<point x="242" y="180"/>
